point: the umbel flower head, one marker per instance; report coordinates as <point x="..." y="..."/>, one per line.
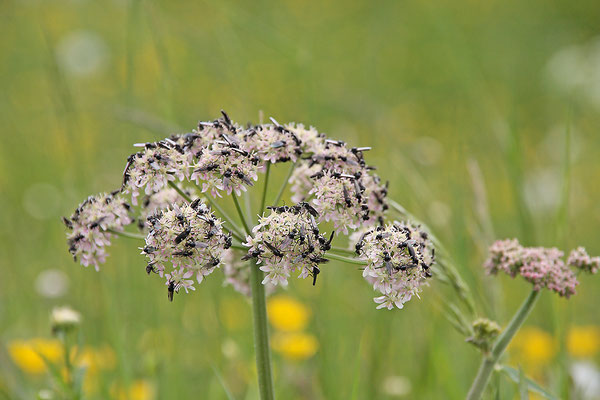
<point x="208" y="132"/>
<point x="187" y="240"/>
<point x="349" y="201"/>
<point x="152" y="168"/>
<point x="330" y="182"/>
<point x="344" y="188"/>
<point x="542" y="267"/>
<point x="273" y="142"/>
<point x="580" y="260"/>
<point x="90" y="225"/>
<point x="286" y="240"/>
<point x="224" y="166"/>
<point x="399" y="258"/>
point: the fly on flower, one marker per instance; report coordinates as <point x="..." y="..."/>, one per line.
<point x="167" y="181"/>
<point x="399" y="256"/>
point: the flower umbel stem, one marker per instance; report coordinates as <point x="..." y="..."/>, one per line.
<point x="346" y="259"/>
<point x="343" y="251"/>
<point x="181" y="192"/>
<point x="264" y="193"/>
<point x="241" y="213"/>
<point x="261" y="334"/>
<point x="127" y="234"/>
<point x="489" y="362"/>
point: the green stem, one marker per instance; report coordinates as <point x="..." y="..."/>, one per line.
<point x="248" y="205"/>
<point x="261" y="334"/>
<point x="489" y="362"/>
<point x="241" y="213"/>
<point x="68" y="366"/>
<point x="342" y="250"/>
<point x="284" y="184"/>
<point x="126" y="234"/>
<point x="239" y="247"/>
<point x="264" y="194"/>
<point x="181" y="192"/>
<point x="345" y="259"/>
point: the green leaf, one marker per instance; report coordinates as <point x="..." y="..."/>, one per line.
<point x="222" y="383"/>
<point x="55" y="373"/>
<point x="523" y="385"/>
<point x="519" y="378"/>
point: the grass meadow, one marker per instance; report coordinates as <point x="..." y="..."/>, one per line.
<point x="483" y="116"/>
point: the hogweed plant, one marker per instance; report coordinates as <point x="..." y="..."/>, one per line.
<point x="173" y="192"/>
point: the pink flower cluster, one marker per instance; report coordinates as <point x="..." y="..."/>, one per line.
<point x="542" y="267"/>
<point x="579" y="259"/>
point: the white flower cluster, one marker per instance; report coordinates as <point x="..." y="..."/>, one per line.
<point x="190" y="239"/>
<point x="349" y="201"/>
<point x="90" y="223"/>
<point x="342" y="187"/>
<point x="399" y="258"/>
<point x="286" y="240"/>
<point x="152" y="168"/>
<point x="273" y="142"/>
<point x="225" y="167"/>
<point x="330" y="182"/>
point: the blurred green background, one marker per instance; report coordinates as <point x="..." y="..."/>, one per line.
<point x="482" y="115"/>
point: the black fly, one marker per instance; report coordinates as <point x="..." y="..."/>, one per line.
<point x="182" y="235"/>
<point x="274" y="249"/>
<point x="171" y="290"/>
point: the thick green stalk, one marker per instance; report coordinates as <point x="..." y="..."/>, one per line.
<point x="261" y="334"/>
<point x="489" y="361"/>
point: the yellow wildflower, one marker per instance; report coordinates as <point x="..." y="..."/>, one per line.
<point x="583" y="341"/>
<point x="94" y="359"/>
<point x="26" y="353"/>
<point x="139" y="390"/>
<point x="295" y="346"/>
<point x="287" y="314"/>
<point x="533" y="347"/>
